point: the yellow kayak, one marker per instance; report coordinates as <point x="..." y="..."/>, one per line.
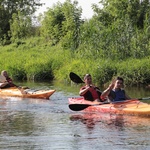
<point x="28" y="93"/>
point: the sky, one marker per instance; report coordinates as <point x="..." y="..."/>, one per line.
<point x="87" y="11"/>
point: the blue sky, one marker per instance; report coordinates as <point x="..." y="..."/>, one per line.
<point x="86" y="6"/>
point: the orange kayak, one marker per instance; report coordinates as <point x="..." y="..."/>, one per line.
<point x="28" y="93"/>
<point x="130" y="107"/>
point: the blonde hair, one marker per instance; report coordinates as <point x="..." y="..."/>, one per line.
<point x="4" y="73"/>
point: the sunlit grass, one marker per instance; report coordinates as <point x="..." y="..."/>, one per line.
<point x="36" y="60"/>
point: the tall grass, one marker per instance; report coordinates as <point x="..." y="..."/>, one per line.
<point x="35" y="59"/>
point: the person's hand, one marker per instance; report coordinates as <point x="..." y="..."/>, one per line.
<point x="88" y="86"/>
<point x="111" y="86"/>
<point x="97" y="101"/>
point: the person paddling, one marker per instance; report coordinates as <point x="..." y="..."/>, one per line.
<point x="115" y="91"/>
<point x="89" y="91"/>
<point x="7" y="82"/>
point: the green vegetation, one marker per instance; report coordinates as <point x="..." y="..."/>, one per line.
<point x="115" y="41"/>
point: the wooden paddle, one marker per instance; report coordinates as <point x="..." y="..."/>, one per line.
<point x="75" y="78"/>
<point x="79" y="107"/>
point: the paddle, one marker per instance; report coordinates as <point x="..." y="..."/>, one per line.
<point x="79" y="107"/>
<point x="75" y="78"/>
<point x="145" y="98"/>
<point x="4" y="82"/>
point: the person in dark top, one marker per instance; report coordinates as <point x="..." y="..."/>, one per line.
<point x="115" y="91"/>
<point x="89" y="91"/>
<point x="8" y="82"/>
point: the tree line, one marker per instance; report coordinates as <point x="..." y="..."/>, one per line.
<point x="118" y="30"/>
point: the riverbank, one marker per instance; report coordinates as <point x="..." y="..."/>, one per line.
<point x="35" y="59"/>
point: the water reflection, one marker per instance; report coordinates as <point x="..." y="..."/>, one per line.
<point x="110" y="131"/>
<point x="117" y="121"/>
<point x="16" y="123"/>
<point x="91" y="119"/>
<point x="49" y="124"/>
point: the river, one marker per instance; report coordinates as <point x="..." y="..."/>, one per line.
<point x="36" y="124"/>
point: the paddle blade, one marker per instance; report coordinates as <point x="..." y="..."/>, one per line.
<point x="78" y="107"/>
<point x="75" y="78"/>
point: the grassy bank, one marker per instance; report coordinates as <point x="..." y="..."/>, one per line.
<point x="35" y="59"/>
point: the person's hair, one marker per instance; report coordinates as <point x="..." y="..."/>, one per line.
<point x="87" y="75"/>
<point x="4" y="71"/>
<point x="120" y="78"/>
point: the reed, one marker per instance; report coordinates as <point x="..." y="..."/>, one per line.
<point x="34" y="59"/>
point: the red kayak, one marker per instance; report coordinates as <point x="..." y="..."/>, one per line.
<point x="131" y="107"/>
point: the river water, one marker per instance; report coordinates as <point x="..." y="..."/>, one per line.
<point x="36" y="124"/>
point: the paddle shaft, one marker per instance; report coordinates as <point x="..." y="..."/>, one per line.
<point x="145" y="98"/>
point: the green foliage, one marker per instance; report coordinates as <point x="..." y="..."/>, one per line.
<point x="116" y="31"/>
<point x="35" y="60"/>
<point x="51" y="22"/>
<point x="20" y="26"/>
<point x="62" y="24"/>
<point x="119" y="9"/>
<point x="90" y="39"/>
<point x="135" y="71"/>
<point x="114" y="42"/>
<point x="105" y="72"/>
<point x="7" y="9"/>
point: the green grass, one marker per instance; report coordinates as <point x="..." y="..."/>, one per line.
<point x="35" y="59"/>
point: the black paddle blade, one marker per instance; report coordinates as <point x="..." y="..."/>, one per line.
<point x="75" y="78"/>
<point x="78" y="107"/>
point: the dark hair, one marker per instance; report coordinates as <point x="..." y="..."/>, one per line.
<point x="120" y="78"/>
<point x="87" y="75"/>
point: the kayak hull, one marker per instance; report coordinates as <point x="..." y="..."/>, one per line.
<point x="16" y="92"/>
<point x="130" y="107"/>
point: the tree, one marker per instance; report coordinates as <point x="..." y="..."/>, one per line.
<point x="20" y="26"/>
<point x="51" y="23"/>
<point x="112" y="10"/>
<point x="118" y="30"/>
<point x="71" y="25"/>
<point x="61" y="23"/>
<point x="10" y="7"/>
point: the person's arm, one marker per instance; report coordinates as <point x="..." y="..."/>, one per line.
<point x="83" y="90"/>
<point x="107" y="91"/>
<point x="9" y="80"/>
